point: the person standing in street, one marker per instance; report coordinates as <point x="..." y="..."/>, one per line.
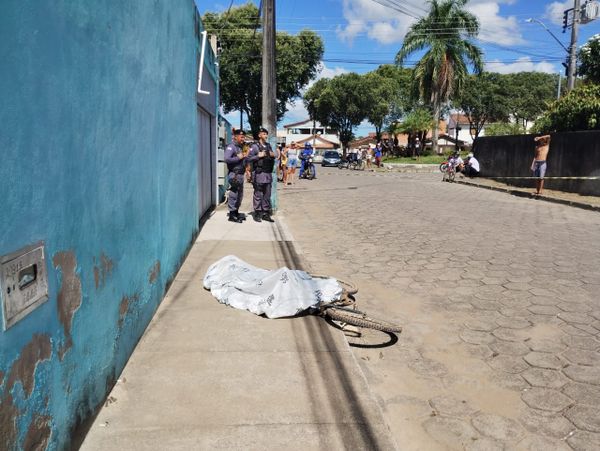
<point x="378" y="156"/>
<point x="538" y="165"/>
<point x="262" y="158"/>
<point x="292" y="162"/>
<point x="236" y="166"/>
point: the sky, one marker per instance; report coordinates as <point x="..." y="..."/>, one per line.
<point x="360" y="35"/>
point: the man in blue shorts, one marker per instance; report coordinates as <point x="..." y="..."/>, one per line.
<point x="538" y="165"/>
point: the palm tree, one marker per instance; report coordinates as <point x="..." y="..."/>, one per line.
<point x="442" y="70"/>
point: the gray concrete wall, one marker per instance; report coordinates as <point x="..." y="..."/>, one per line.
<point x="573" y="154"/>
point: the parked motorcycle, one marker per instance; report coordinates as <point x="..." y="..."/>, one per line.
<point x="309" y="169"/>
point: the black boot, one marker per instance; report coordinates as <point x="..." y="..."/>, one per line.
<point x="233" y="217"/>
<point x="267" y="217"/>
<point x="242" y="216"/>
<point x="256" y="216"/>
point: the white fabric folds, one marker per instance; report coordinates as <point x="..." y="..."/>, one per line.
<point x="276" y="293"/>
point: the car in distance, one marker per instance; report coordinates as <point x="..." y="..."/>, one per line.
<point x="331" y="158"/>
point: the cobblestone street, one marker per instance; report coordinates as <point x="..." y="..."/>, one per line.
<point x="498" y="297"/>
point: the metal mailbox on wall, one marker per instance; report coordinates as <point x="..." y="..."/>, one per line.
<point x="23" y="282"/>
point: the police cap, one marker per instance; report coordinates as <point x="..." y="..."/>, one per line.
<point x="263" y="130"/>
<point x="238" y="131"/>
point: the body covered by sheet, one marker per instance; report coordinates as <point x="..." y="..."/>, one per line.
<point x="275" y="293"/>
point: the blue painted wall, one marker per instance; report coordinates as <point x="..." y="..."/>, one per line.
<point x="98" y="159"/>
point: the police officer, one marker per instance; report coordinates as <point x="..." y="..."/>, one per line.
<point x="262" y="158"/>
<point x="236" y="166"/>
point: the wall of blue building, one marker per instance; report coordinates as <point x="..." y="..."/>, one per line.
<point x="99" y="160"/>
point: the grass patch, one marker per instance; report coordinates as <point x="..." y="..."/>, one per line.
<point x="426" y="159"/>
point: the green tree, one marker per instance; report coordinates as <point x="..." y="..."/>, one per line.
<point x="589" y="59"/>
<point x="240" y="62"/>
<point x="339" y="103"/>
<point x="529" y="94"/>
<point x="483" y="100"/>
<point x="578" y="110"/>
<point x="416" y="125"/>
<point x="380" y="92"/>
<point x="405" y="97"/>
<point x="504" y="128"/>
<point x="444" y="33"/>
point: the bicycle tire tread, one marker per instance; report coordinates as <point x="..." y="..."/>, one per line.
<point x="361" y="320"/>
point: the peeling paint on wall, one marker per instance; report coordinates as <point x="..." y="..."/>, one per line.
<point x="8" y="417"/>
<point x="154" y="272"/>
<point x="22" y="370"/>
<point x="124" y="306"/>
<point x="102" y="270"/>
<point x="38" y="433"/>
<point x="69" y="295"/>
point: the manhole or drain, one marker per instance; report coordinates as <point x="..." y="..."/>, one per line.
<point x="353" y="187"/>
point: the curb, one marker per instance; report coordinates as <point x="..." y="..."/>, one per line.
<point x="527" y="195"/>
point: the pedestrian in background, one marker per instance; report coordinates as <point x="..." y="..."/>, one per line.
<point x="378" y="155"/>
<point x="292" y="163"/>
<point x="538" y="165"/>
<point x="471" y="166"/>
<point x="235" y="158"/>
<point x="262" y="158"/>
<point x="283" y="164"/>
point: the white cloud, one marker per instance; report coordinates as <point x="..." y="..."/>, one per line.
<point x="555" y="10"/>
<point x="387" y="26"/>
<point x="493" y="26"/>
<point x="378" y="22"/>
<point x="327" y="72"/>
<point x="521" y="65"/>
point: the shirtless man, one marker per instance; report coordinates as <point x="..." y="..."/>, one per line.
<point x="538" y="165"/>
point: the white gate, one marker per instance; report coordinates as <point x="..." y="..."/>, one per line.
<point x="206" y="161"/>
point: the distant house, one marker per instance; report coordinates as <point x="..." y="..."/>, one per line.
<point x="320" y="137"/>
<point x="371" y="140"/>
<point x="460" y="122"/>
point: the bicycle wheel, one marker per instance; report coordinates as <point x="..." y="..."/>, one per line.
<point x="360" y="319"/>
<point x="443" y="167"/>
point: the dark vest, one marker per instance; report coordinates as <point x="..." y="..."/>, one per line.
<point x="240" y="166"/>
<point x="265" y="164"/>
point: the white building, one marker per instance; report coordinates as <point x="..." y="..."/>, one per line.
<point x="320" y="137"/>
<point x="460" y="121"/>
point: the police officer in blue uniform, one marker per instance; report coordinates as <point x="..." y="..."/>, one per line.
<point x="262" y="159"/>
<point x="236" y="166"/>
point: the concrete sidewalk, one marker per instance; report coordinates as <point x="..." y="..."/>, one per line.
<point x="207" y="376"/>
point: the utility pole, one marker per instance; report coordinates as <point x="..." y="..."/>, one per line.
<point x="269" y="84"/>
<point x="573" y="48"/>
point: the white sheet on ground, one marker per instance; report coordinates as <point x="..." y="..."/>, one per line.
<point x="275" y="293"/>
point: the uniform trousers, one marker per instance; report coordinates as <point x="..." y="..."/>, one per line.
<point x="236" y="191"/>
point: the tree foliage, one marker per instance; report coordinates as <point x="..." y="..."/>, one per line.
<point x="381" y="92"/>
<point x="589" y="58"/>
<point x="444" y="33"/>
<point x="483" y="100"/>
<point x="529" y="94"/>
<point x="416" y="124"/>
<point x="504" y="128"/>
<point x="339" y="102"/>
<point x="240" y="62"/>
<point x="578" y="110"/>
